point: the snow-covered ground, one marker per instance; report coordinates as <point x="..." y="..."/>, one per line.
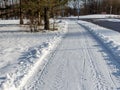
<point x="21" y="52"/>
<point x="96" y="16"/>
<point x="110" y="38"/>
<point x="7" y="22"/>
<point x="80" y="62"/>
<point x="79" y="56"/>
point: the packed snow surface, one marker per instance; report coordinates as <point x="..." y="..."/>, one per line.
<point x="80" y="62"/>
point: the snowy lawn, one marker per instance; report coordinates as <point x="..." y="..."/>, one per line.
<point x="11" y="22"/>
<point x="20" y="51"/>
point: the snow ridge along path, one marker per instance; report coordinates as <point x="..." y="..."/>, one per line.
<point x="31" y="60"/>
<point x="80" y="62"/>
<point x="110" y="39"/>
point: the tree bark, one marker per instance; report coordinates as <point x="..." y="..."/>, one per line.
<point x="46" y="18"/>
<point x="39" y="18"/>
<point x="21" y="16"/>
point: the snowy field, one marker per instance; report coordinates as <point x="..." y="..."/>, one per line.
<point x="21" y="50"/>
<point x="79" y="56"/>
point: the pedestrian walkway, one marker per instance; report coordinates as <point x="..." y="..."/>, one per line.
<point x="79" y="63"/>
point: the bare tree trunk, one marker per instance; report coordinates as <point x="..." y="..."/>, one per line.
<point x="39" y="18"/>
<point x="46" y="19"/>
<point x="21" y="16"/>
<point x="53" y="22"/>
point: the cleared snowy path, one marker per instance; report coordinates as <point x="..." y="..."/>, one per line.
<point x="80" y="62"/>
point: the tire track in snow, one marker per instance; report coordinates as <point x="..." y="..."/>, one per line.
<point x="95" y="75"/>
<point x="83" y="77"/>
<point x="94" y="71"/>
<point x="110" y="75"/>
<point x="101" y="82"/>
<point x="112" y="56"/>
<point x="112" y="68"/>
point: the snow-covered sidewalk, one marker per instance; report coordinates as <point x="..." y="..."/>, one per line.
<point x="80" y="62"/>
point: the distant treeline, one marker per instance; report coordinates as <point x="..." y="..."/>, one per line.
<point x="101" y="6"/>
<point x="94" y="7"/>
<point x="37" y="11"/>
<point x="38" y="8"/>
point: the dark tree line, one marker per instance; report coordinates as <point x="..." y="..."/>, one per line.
<point x="101" y="6"/>
<point x="93" y="7"/>
<point x="7" y="8"/>
<point x="38" y="11"/>
<point x="34" y="10"/>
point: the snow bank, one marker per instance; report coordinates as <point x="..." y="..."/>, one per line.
<point x="107" y="41"/>
<point x="100" y="16"/>
<point x="11" y="21"/>
<point x="96" y="16"/>
<point x="31" y="60"/>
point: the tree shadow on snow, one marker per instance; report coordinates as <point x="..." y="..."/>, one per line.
<point x="111" y="61"/>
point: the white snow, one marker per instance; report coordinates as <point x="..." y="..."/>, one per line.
<point x="7" y="22"/>
<point x="80" y="62"/>
<point x="79" y="56"/>
<point x="110" y="38"/>
<point x="22" y="52"/>
<point x="96" y="16"/>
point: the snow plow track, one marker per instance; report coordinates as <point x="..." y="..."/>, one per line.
<point x="80" y="62"/>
